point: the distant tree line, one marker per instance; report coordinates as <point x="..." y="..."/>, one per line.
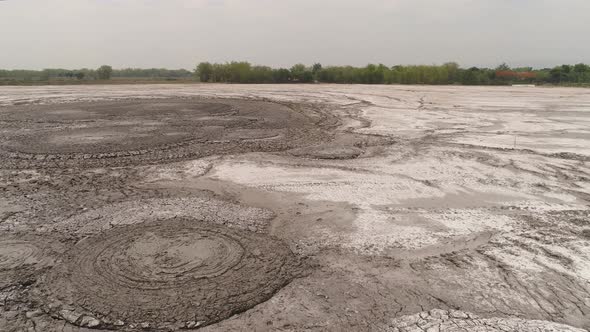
<point x="244" y="72"/>
<point x="448" y="73"/>
<point x="102" y="73"/>
<point x="152" y="73"/>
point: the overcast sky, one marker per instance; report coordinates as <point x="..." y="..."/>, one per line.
<point x="180" y="33"/>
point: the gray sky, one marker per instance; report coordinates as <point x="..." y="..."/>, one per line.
<point x="180" y="33"/>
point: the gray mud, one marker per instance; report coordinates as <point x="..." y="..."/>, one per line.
<point x="130" y="132"/>
<point x="294" y="208"/>
<point x="171" y="274"/>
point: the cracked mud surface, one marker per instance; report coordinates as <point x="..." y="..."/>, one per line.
<point x="454" y="320"/>
<point x="362" y="208"/>
<point x="23" y="257"/>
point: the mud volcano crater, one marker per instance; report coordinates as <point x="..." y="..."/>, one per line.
<point x="166" y="275"/>
<point x="123" y="132"/>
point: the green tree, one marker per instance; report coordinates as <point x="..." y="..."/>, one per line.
<point x="582" y="73"/>
<point x="448" y="73"/>
<point x="503" y="66"/>
<point x="471" y="76"/>
<point x="556" y="75"/>
<point x="316" y="68"/>
<point x="581" y="68"/>
<point x="281" y="75"/>
<point x="204" y="71"/>
<point x="301" y="73"/>
<point x="239" y="72"/>
<point x="261" y="74"/>
<point x="453" y="72"/>
<point x="297" y="71"/>
<point x="104" y="72"/>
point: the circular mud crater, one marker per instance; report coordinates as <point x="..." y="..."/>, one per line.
<point x="140" y="131"/>
<point x="173" y="274"/>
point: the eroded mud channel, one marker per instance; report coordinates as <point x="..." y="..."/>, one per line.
<point x="294" y="208"/>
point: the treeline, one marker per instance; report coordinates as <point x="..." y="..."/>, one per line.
<point x="244" y="72"/>
<point x="448" y="73"/>
<point x="102" y="73"/>
<point x="152" y="73"/>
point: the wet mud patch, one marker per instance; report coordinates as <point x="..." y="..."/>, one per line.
<point x="174" y="274"/>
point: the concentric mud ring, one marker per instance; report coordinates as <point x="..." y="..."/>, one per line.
<point x="123" y="132"/>
<point x="167" y="275"/>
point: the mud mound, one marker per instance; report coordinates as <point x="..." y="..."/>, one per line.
<point x="113" y="133"/>
<point x="21" y="258"/>
<point x="179" y="273"/>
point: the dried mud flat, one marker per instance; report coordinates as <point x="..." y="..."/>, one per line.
<point x="290" y="208"/>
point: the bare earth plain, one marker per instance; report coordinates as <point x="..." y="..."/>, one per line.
<point x="294" y="208"/>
